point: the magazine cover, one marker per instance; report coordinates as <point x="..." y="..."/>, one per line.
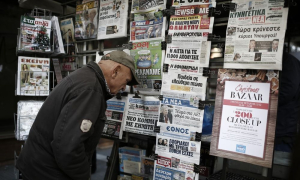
<point x="161" y="172"/>
<point x="27" y="111"/>
<point x="147" y="30"/>
<point x="130" y="163"/>
<point x="114" y="114"/>
<point x="113" y="15"/>
<point x="146" y="5"/>
<point x="148" y="58"/>
<point x="193" y="18"/>
<point x="33" y="76"/>
<point x="34" y="34"/>
<point x="67" y="28"/>
<point x="58" y="43"/>
<point x="180" y="109"/>
<point x="86" y="19"/>
<point x="142" y="114"/>
<point x="245" y="115"/>
<point x="255" y="35"/>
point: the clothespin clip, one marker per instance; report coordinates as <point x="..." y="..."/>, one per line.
<point x="168" y="39"/>
<point x="160" y="97"/>
<point x="206" y="72"/>
<point x="118" y="96"/>
<point x="163" y="45"/>
<point x="198" y="137"/>
<point x="212" y="11"/>
<point x="168" y="12"/>
<point x="101" y="53"/>
<point x="136" y="95"/>
<point x="196" y="168"/>
<point x="156" y="129"/>
<point x="202" y="104"/>
<point x="165" y="67"/>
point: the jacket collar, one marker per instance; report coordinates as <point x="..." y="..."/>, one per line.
<point x="95" y="67"/>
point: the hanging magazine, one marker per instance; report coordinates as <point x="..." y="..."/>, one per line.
<point x="255" y="35"/>
<point x="58" y="43"/>
<point x="86" y="19"/>
<point x="67" y="28"/>
<point x="33" y="76"/>
<point x="34" y="34"/>
<point x="113" y="15"/>
<point x="148" y="58"/>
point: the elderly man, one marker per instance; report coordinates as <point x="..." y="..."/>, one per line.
<point x="68" y="126"/>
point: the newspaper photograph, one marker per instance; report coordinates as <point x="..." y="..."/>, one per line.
<point x="146" y="5"/>
<point x="147" y="30"/>
<point x="181" y="111"/>
<point x="173" y="145"/>
<point x="149" y="15"/>
<point x="190" y="2"/>
<point x="192" y="84"/>
<point x="114" y="114"/>
<point x="33" y="76"/>
<point x="175" y="163"/>
<point x="148" y="58"/>
<point x="192" y="19"/>
<point x="142" y="114"/>
<point x="188" y="52"/>
<point x="113" y="15"/>
<point x="164" y="173"/>
<point x="255" y="35"/>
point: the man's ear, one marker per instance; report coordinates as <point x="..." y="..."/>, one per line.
<point x="116" y="70"/>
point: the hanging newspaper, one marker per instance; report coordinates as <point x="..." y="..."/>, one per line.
<point x="188" y="52"/>
<point x="147" y="30"/>
<point x="149" y="15"/>
<point x="114" y="114"/>
<point x="142" y="114"/>
<point x="147" y="5"/>
<point x="86" y="22"/>
<point x="191" y="84"/>
<point x="190" y="22"/>
<point x="181" y="109"/>
<point x="255" y="35"/>
<point x="178" y="141"/>
<point x="148" y="57"/>
<point x="174" y="163"/>
<point x="57" y="38"/>
<point x="33" y="76"/>
<point x="190" y="2"/>
<point x="113" y="17"/>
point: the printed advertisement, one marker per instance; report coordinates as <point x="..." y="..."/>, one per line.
<point x="181" y="110"/>
<point x="190" y="2"/>
<point x="114" y="114"/>
<point x="86" y="20"/>
<point x="193" y="18"/>
<point x="245" y="115"/>
<point x="163" y="173"/>
<point x="191" y="84"/>
<point x="113" y="15"/>
<point x="148" y="58"/>
<point x="33" y="76"/>
<point x="142" y="114"/>
<point x="146" y="5"/>
<point x="147" y="30"/>
<point x="255" y="35"/>
<point x="188" y="52"/>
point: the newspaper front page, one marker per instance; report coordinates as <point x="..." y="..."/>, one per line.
<point x="181" y="109"/>
<point x="178" y="141"/>
<point x="148" y="58"/>
<point x="147" y="30"/>
<point x="142" y="114"/>
<point x="113" y="17"/>
<point x="255" y="35"/>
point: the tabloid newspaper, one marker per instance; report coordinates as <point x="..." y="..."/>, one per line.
<point x="146" y="5"/>
<point x="142" y="114"/>
<point x="174" y="163"/>
<point x="161" y="172"/>
<point x="58" y="43"/>
<point x="142" y="16"/>
<point x="86" y="19"/>
<point x="148" y="58"/>
<point x="33" y="76"/>
<point x="190" y="2"/>
<point x="113" y="15"/>
<point x="34" y="34"/>
<point x="255" y="35"/>
<point x="181" y="109"/>
<point x="191" y="19"/>
<point x="114" y="114"/>
<point x="67" y="28"/>
<point x="191" y="84"/>
<point x="27" y="111"/>
<point x="178" y="141"/>
<point x="147" y="30"/>
<point x="188" y="52"/>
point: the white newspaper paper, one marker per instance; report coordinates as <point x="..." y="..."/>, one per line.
<point x="255" y="35"/>
<point x="146" y="5"/>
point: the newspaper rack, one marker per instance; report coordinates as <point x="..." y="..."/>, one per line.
<point x="34" y="92"/>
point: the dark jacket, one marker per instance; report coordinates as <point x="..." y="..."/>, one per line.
<point x="57" y="149"/>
